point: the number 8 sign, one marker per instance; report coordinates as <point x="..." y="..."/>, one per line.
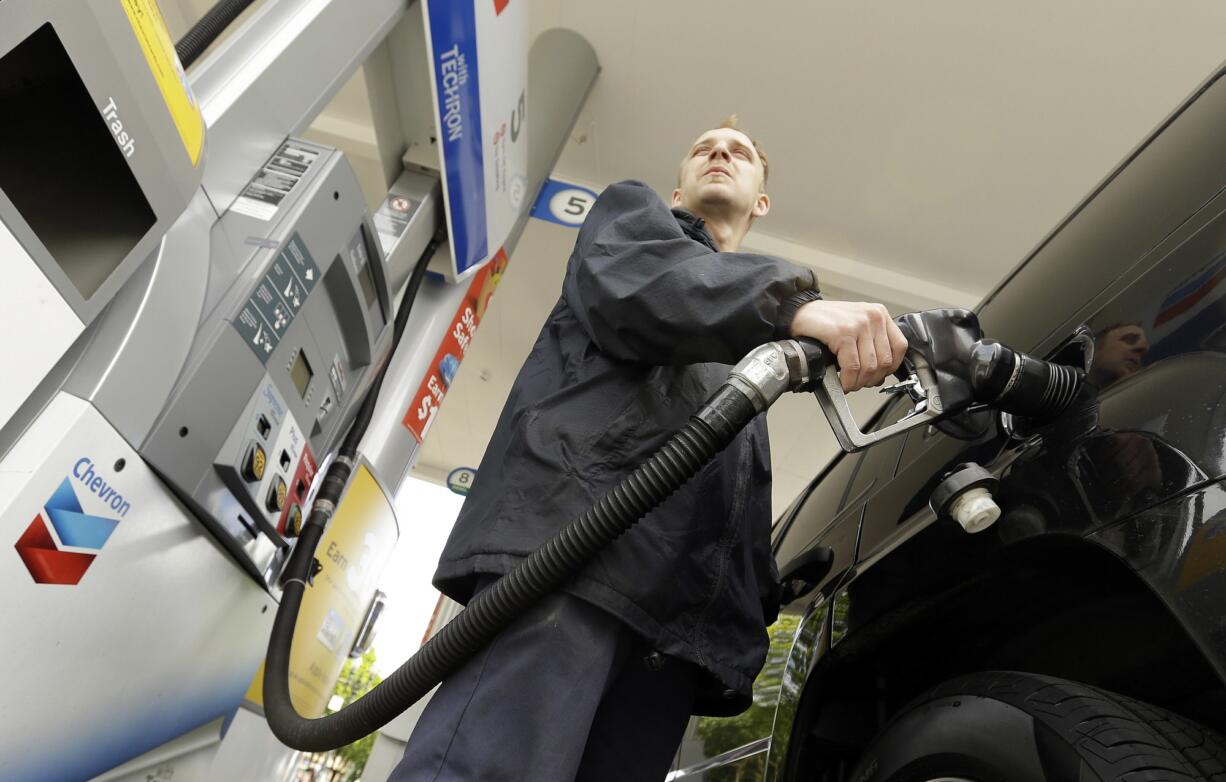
<point x="460" y="480"/>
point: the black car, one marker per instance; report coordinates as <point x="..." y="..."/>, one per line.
<point x="1083" y="635"/>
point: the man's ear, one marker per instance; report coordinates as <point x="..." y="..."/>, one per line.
<point x="677" y="197"/>
<point x="762" y="205"/>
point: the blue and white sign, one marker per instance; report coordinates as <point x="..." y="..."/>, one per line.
<point x="479" y="72"/>
<point x="563" y="203"/>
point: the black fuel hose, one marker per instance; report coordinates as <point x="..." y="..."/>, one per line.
<point x="707" y="432"/>
<point x="754" y="384"/>
<point x="301" y="568"/>
<point x="208" y="29"/>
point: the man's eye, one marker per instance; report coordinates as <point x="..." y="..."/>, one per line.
<point x="700" y="150"/>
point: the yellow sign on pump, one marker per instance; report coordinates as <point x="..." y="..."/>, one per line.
<point x="154" y="38"/>
<point x="353" y="552"/>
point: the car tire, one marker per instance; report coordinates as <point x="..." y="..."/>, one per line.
<point x="1020" y="727"/>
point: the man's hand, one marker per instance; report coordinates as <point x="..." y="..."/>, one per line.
<point x="1137" y="460"/>
<point x="863" y="338"/>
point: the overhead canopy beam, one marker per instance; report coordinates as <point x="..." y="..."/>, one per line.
<point x="873" y="283"/>
<point x="271" y="76"/>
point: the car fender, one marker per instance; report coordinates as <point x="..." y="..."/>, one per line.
<point x="811" y="642"/>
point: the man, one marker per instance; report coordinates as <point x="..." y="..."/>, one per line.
<point x="598" y="681"/>
<point x="1118" y="352"/>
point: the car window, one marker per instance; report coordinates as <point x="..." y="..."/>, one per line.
<point x="878" y="462"/>
<point x="818" y="509"/>
<point x="841" y="483"/>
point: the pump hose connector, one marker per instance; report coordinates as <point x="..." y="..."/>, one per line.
<point x="1021" y="385"/>
<point x="756" y="382"/>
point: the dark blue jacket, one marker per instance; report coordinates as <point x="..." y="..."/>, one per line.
<point x="650" y="317"/>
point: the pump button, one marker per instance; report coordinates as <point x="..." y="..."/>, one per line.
<point x="293" y="522"/>
<point x="254" y="464"/>
<point x="277" y="494"/>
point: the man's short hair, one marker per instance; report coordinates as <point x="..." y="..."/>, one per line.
<point x="1102" y="333"/>
<point x="730" y="123"/>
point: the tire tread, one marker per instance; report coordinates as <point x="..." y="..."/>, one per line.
<point x="1118" y="737"/>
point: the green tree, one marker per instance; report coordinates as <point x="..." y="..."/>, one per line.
<point x="347" y="763"/>
<point x="720" y="734"/>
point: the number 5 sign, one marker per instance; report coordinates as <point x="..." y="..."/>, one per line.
<point x="563" y="203"/>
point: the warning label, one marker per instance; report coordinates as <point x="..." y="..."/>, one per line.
<point x="277" y="298"/>
<point x="392" y="218"/>
<point x="285" y="169"/>
<point x="151" y="32"/>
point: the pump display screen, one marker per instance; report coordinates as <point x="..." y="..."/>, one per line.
<point x="368" y="285"/>
<point x="360" y="259"/>
<point x="300" y="372"/>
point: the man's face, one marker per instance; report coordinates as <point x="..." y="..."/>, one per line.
<point x="721" y="176"/>
<point x="1118" y="353"/>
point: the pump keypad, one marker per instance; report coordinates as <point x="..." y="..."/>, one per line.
<point x="293" y="523"/>
<point x="255" y="463"/>
<point x="277" y="494"/>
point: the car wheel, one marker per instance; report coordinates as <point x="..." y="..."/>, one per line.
<point x="1020" y="727"/>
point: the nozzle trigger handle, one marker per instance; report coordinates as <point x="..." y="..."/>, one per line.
<point x="818" y="356"/>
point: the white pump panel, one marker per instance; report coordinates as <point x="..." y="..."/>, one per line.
<point x="37" y="324"/>
<point x="151" y="634"/>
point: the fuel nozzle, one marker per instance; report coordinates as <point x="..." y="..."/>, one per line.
<point x="1020" y="385"/>
<point x="969" y="369"/>
<point x="771" y="369"/>
<point x="951" y="369"/>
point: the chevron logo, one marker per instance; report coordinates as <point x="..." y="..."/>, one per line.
<point x="60" y="526"/>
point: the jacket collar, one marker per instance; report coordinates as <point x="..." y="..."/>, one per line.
<point x="694" y="227"/>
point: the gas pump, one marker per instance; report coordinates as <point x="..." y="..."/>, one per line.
<point x="197" y="302"/>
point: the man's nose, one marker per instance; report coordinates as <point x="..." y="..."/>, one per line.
<point x="720" y="150"/>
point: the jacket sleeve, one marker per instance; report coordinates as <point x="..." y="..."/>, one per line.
<point x="644" y="291"/>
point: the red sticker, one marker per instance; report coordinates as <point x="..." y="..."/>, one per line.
<point x="298" y="488"/>
<point x="434" y="385"/>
